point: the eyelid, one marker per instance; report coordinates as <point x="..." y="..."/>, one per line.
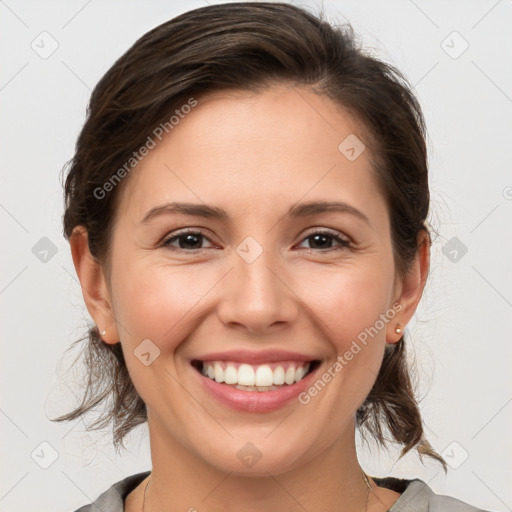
<point x="182" y="232"/>
<point x="343" y="240"/>
<point x="327" y="231"/>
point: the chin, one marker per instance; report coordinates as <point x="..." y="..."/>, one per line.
<point x="255" y="460"/>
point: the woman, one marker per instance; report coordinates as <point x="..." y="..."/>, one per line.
<point x="246" y="212"/>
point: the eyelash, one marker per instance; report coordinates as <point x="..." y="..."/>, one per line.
<point x="333" y="234"/>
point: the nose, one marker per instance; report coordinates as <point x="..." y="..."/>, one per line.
<point x="258" y="296"/>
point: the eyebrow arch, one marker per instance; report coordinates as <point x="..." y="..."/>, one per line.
<point x="198" y="210"/>
<point x="312" y="208"/>
<point x="298" y="211"/>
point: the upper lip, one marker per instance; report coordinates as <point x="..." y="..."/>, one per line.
<point x="256" y="357"/>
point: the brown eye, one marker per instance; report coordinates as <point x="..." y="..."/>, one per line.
<point x="187" y="241"/>
<point x="323" y="239"/>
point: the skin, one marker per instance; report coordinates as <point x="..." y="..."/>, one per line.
<point x="254" y="155"/>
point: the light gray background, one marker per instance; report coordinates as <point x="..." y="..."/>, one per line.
<point x="460" y="335"/>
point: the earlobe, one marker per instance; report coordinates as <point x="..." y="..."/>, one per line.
<point x="93" y="283"/>
<point x="395" y="331"/>
<point x="411" y="286"/>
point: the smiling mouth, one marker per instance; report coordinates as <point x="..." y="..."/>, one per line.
<point x="252" y="377"/>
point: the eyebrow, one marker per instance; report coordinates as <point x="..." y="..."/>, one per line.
<point x="213" y="212"/>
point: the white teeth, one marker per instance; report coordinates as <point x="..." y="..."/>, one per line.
<point x="254" y="388"/>
<point x="289" y="376"/>
<point x="257" y="377"/>
<point x="218" y="373"/>
<point x="278" y="376"/>
<point x="264" y="376"/>
<point x="299" y="373"/>
<point x="245" y="375"/>
<point x="230" y="375"/>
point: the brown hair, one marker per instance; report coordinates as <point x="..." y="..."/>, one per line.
<point x="249" y="46"/>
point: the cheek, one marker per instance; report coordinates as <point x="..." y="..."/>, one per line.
<point x="156" y="302"/>
<point x="351" y="305"/>
<point x="160" y="302"/>
<point x="350" y="301"/>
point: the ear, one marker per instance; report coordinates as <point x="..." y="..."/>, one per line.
<point x="94" y="288"/>
<point x="410" y="288"/>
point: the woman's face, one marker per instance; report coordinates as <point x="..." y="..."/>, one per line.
<point x="257" y="281"/>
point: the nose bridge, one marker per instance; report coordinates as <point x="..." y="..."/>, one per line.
<point x="256" y="295"/>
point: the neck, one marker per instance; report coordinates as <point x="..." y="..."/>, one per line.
<point x="332" y="480"/>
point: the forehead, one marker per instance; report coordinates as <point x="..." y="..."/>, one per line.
<point x="254" y="150"/>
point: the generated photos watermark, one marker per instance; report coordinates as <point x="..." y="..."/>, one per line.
<point x="137" y="156"/>
<point x="355" y="347"/>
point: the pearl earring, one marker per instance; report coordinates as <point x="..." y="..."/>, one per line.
<point x="398" y="329"/>
<point x="103" y="333"/>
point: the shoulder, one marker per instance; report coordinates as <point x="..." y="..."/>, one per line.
<point x="112" y="500"/>
<point x="417" y="496"/>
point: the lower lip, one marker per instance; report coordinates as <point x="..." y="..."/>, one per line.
<point x="256" y="401"/>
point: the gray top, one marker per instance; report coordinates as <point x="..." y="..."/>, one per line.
<point x="416" y="496"/>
